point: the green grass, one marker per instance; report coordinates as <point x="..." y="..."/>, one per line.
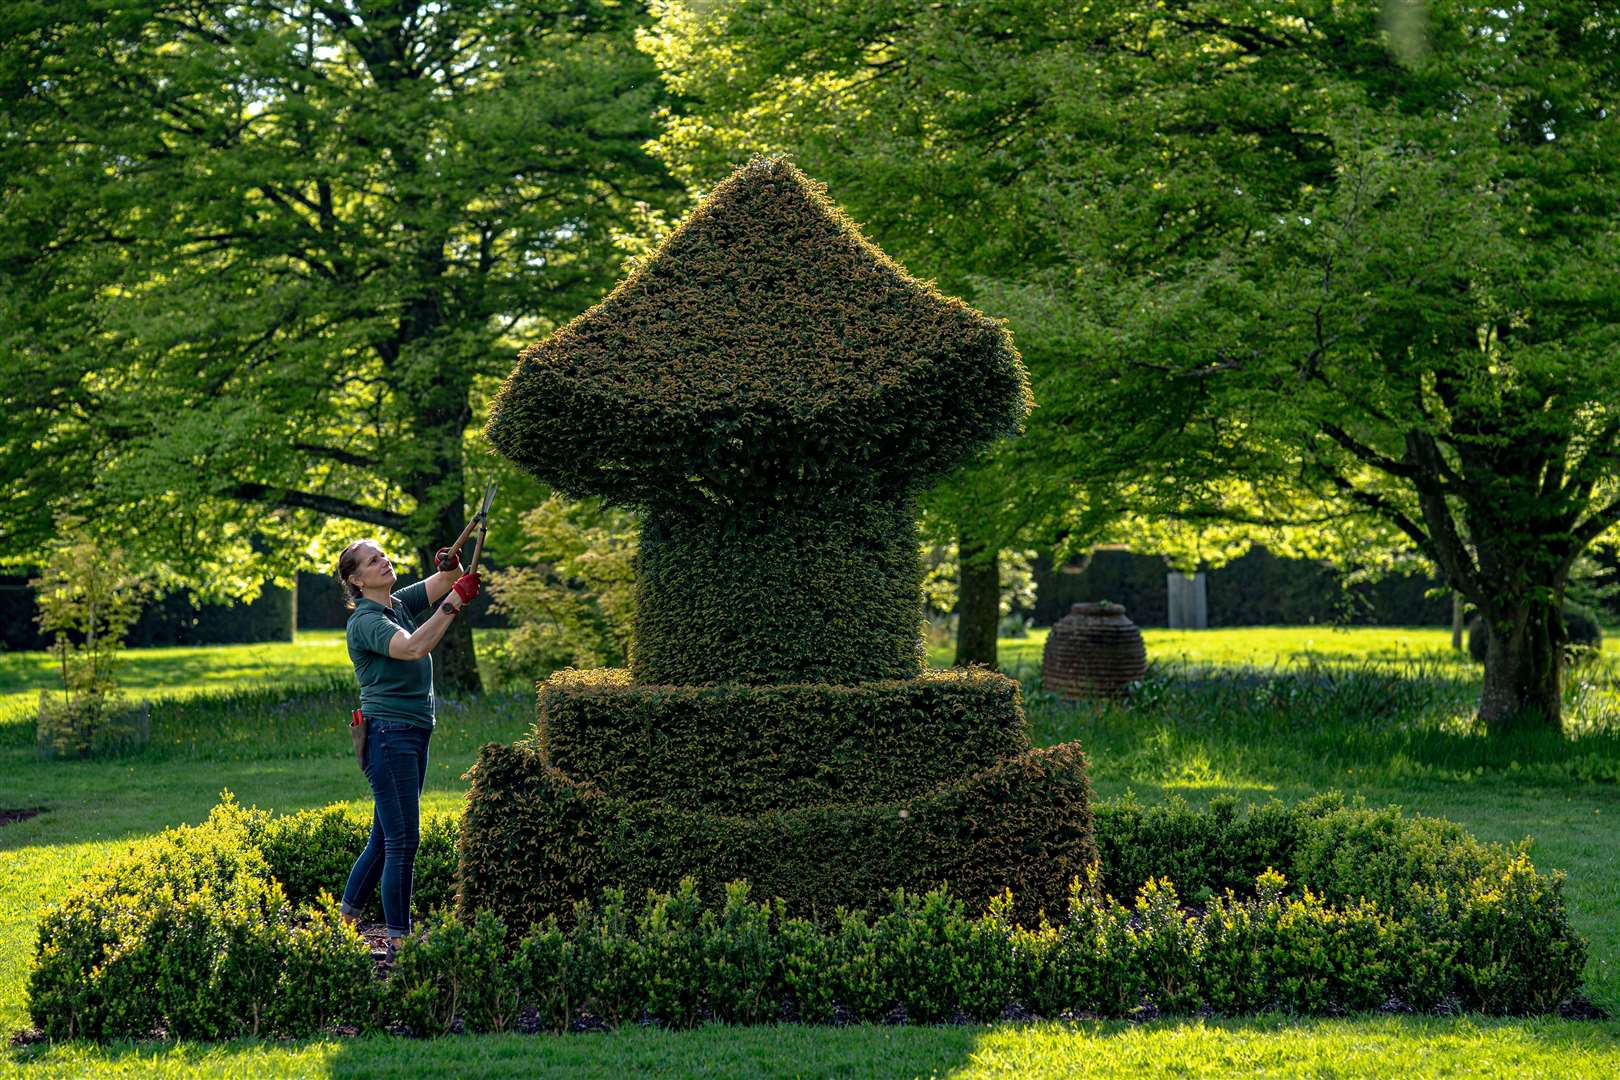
<point x="1253" y="712"/>
<point x="188" y="671"/>
<point x="1272" y="647"/>
<point x="1268" y="1046"/>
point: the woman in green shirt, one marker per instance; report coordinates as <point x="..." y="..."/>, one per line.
<point x="391" y="636"/>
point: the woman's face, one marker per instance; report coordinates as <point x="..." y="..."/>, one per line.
<point x="375" y="570"/>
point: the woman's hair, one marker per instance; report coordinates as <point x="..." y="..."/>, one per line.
<point x="348" y="562"/>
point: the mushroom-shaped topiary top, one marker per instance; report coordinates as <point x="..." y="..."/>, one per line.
<point x="765" y="348"/>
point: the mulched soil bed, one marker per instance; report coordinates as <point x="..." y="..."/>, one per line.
<point x="11" y="817"/>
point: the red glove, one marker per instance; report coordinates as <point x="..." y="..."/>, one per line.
<point x="466" y="586"/>
<point x="444" y="560"/>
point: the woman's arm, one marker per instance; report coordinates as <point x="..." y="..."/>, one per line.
<point x="439" y="584"/>
<point x="442" y="582"/>
<point x="405" y="645"/>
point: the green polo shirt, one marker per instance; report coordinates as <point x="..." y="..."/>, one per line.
<point x="391" y="689"/>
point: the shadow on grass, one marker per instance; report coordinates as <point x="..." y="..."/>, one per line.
<point x="1375" y="1045"/>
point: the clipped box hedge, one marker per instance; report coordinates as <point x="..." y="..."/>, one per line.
<point x="190" y="934"/>
<point x="196" y="933"/>
<point x="534" y="841"/>
<point x="746" y="750"/>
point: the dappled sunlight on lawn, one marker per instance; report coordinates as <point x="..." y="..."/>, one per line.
<point x="1279" y="1046"/>
<point x="1266" y="1046"/>
<point x="184" y="671"/>
<point x="1258" y="646"/>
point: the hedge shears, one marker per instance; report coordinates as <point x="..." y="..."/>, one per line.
<point x="448" y="557"/>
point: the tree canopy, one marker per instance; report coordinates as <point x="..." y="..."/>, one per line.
<point x="274" y="254"/>
<point x="1343" y="268"/>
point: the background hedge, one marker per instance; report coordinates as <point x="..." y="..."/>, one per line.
<point x="742" y="750"/>
<point x="1344" y="851"/>
<point x="534" y="841"/>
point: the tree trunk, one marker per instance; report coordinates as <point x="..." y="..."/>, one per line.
<point x="978" y="602"/>
<point x="1522" y="671"/>
<point x="1457" y="621"/>
<point x="441" y="514"/>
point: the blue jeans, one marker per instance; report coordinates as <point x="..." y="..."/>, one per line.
<point x="396" y="766"/>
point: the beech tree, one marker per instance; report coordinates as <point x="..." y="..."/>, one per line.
<point x="261" y="261"/>
<point x="1355" y="257"/>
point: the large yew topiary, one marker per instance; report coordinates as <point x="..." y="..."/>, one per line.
<point x="771" y="390"/>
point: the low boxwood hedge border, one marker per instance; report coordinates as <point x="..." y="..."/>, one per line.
<point x="222" y="929"/>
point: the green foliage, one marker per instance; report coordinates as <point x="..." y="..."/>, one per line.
<point x="1350" y="852"/>
<point x="545" y="963"/>
<point x="741" y="956"/>
<point x="326" y="976"/>
<point x="935" y="959"/>
<point x="533" y="841"/>
<point x="605" y="958"/>
<point x="192" y="935"/>
<point x="1297" y="954"/>
<point x="188" y="933"/>
<point x="745" y="750"/>
<point x="1087" y="962"/>
<point x="305" y="274"/>
<point x="312" y="850"/>
<point x="1344" y="850"/>
<point x="1279" y="270"/>
<point x="1205" y="851"/>
<point x="826" y="589"/>
<point x="1501" y="944"/>
<point x="454" y="969"/>
<point x="1507" y="937"/>
<point x="574" y="604"/>
<point x="764" y="351"/>
<point x="771" y="389"/>
<point x="88" y="594"/>
<point x="669" y="952"/>
<point x="1165" y="941"/>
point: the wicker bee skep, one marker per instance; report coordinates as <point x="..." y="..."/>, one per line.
<point x="1093" y="650"/>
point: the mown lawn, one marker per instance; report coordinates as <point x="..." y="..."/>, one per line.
<point x="1254" y="712"/>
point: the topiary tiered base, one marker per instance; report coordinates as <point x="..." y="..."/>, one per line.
<point x="823" y="795"/>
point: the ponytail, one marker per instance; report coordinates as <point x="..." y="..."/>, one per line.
<point x="347" y="562"/>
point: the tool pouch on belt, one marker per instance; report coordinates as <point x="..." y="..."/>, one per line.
<point x="357" y="732"/>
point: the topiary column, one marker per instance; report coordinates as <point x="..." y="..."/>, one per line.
<point x="771" y="390"/>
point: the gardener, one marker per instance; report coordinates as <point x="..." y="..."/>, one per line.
<point x="392" y="662"/>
